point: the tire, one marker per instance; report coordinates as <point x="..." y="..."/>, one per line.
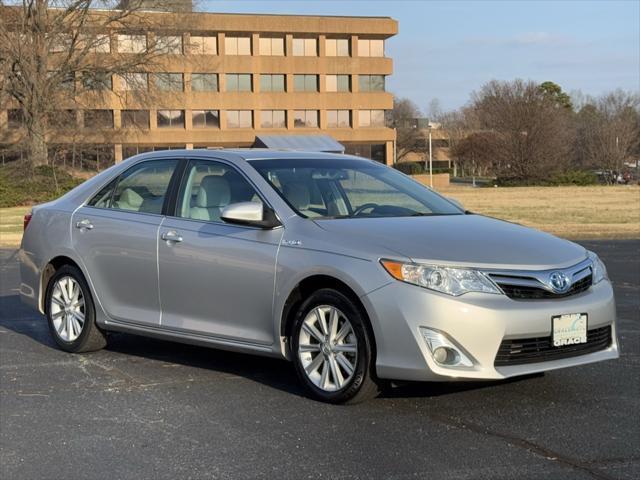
<point x="324" y="351"/>
<point x="64" y="311"/>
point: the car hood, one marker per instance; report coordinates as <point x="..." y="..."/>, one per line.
<point x="465" y="240"/>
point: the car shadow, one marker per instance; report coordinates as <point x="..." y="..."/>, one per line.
<point x="271" y="372"/>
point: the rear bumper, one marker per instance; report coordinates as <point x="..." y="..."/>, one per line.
<point x="477" y="323"/>
<point x="30" y="275"/>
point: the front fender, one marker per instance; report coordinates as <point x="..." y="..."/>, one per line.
<point x="296" y="264"/>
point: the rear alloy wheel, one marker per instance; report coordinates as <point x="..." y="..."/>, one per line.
<point x="67" y="308"/>
<point x="71" y="313"/>
<point x="332" y="349"/>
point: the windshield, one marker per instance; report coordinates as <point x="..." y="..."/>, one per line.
<point x="349" y="188"/>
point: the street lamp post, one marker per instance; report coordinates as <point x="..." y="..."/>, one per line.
<point x="430" y="157"/>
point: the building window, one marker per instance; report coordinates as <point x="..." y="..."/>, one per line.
<point x="337" y="83"/>
<point x="371" y="83"/>
<point x="204" y="82"/>
<point x="203" y="45"/>
<point x="272" y="83"/>
<point x="370" y="48"/>
<point x="16" y="118"/>
<point x="62" y="119"/>
<point x="100" y="43"/>
<point x="97" y="81"/>
<point x="205" y="118"/>
<point x="135" y="119"/>
<point x="170" y="118"/>
<point x="98" y="119"/>
<point x="371" y="118"/>
<point x="67" y="80"/>
<point x="374" y="151"/>
<point x="238" y="82"/>
<point x="131" y="150"/>
<point x="169" y="44"/>
<point x="237" y="46"/>
<point x="60" y="43"/>
<point x="135" y="81"/>
<point x="338" y="118"/>
<point x="169" y="82"/>
<point x="336" y="47"/>
<point x="305" y="118"/>
<point x="132" y="43"/>
<point x="305" y="47"/>
<point x="239" y="119"/>
<point x="272" y="46"/>
<point x="305" y="83"/>
<point x="273" y="119"/>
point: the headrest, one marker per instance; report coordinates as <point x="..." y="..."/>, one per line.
<point x="130" y="197"/>
<point x="297" y="194"/>
<point x="241" y="190"/>
<point x="213" y="192"/>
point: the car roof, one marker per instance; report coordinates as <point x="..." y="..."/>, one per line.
<point x="248" y="154"/>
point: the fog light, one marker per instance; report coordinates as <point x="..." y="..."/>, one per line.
<point x="443" y="350"/>
<point x="440" y="355"/>
<point x="446" y="356"/>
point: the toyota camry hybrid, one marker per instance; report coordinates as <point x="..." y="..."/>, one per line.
<point x="348" y="268"/>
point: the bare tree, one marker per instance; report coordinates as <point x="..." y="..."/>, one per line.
<point x="409" y="137"/>
<point x="532" y="133"/>
<point x="55" y="54"/>
<point x="608" y="130"/>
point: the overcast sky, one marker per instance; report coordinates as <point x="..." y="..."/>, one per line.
<point x="446" y="49"/>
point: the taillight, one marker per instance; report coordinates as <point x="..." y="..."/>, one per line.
<point x="26" y="220"/>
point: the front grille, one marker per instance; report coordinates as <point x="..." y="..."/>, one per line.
<point x="522" y="292"/>
<point x="541" y="349"/>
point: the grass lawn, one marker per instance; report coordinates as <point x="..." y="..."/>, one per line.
<point x="11" y="225"/>
<point x="570" y="212"/>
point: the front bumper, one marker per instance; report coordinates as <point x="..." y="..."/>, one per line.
<point x="477" y="323"/>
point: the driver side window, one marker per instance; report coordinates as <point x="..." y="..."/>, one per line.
<point x="208" y="187"/>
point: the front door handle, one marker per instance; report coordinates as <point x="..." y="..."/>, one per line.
<point x="171" y="237"/>
<point x="84" y="224"/>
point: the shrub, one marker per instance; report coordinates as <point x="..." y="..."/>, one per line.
<point x="570" y="177"/>
<point x="417" y="168"/>
<point x="575" y="177"/>
<point x="410" y="168"/>
<point x="19" y="186"/>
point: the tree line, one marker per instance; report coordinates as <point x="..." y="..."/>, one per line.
<point x="528" y="132"/>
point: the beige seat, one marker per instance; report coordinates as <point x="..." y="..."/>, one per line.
<point x="299" y="196"/>
<point x="129" y="200"/>
<point x="213" y="195"/>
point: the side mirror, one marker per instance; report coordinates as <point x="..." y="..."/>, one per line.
<point x="250" y="213"/>
<point x="457" y="203"/>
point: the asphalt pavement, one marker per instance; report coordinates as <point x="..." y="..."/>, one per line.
<point x="146" y="408"/>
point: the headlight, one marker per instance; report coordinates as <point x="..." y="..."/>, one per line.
<point x="452" y="281"/>
<point x="599" y="270"/>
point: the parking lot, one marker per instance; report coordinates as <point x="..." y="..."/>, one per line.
<point x="145" y="408"/>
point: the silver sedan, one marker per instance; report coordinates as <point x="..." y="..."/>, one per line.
<point x="344" y="266"/>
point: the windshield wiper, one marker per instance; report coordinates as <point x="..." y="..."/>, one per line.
<point x="431" y="214"/>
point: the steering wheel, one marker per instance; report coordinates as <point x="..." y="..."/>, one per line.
<point x="364" y="207"/>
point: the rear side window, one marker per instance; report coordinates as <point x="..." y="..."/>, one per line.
<point x="102" y="199"/>
<point x="142" y="188"/>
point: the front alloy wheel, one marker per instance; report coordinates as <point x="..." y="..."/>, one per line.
<point x="332" y="348"/>
<point x="328" y="348"/>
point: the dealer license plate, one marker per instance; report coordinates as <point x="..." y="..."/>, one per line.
<point x="570" y="329"/>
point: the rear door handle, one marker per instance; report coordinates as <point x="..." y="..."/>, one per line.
<point x="84" y="224"/>
<point x="171" y="236"/>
